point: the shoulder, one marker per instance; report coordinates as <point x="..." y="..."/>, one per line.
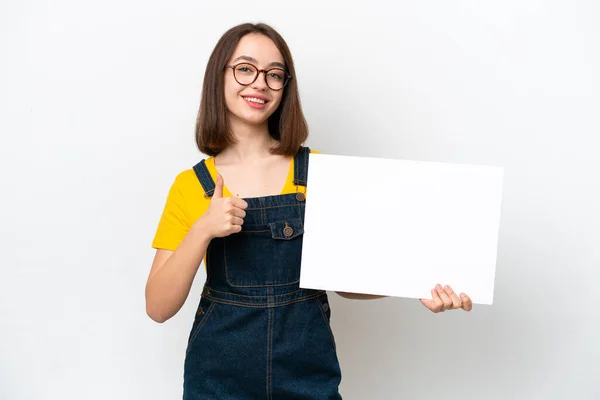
<point x="185" y="179"/>
<point x="187" y="185"/>
<point x="188" y="178"/>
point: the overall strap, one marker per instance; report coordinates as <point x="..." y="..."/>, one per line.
<point x="207" y="182"/>
<point x="301" y="166"/>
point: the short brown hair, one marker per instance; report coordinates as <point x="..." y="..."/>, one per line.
<point x="287" y="124"/>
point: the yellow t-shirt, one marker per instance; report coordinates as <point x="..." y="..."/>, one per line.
<point x="186" y="203"/>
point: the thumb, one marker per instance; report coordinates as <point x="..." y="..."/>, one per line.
<point x="218" y="188"/>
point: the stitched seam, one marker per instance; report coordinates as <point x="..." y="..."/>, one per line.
<point x="270" y="353"/>
<point x="305" y="161"/>
<point x="262" y="305"/>
<point x="296" y="170"/>
<point x="255" y="296"/>
<point x="225" y="261"/>
<point x="208" y="179"/>
<point x="272" y="225"/>
<point x="199" y="175"/>
<point x="200" y="325"/>
<point x="259" y="286"/>
<point x="327" y="325"/>
<point x="294" y="236"/>
<point x="302" y="155"/>
<point x="305" y="172"/>
<point x="204" y="177"/>
<point x="284" y="205"/>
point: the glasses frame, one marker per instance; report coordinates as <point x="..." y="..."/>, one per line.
<point x="258" y="72"/>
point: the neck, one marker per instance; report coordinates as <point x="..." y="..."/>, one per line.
<point x="253" y="142"/>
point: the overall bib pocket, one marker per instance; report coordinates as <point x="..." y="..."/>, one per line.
<point x="265" y="255"/>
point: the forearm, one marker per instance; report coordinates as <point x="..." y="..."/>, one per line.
<point x="168" y="287"/>
<point x="358" y="296"/>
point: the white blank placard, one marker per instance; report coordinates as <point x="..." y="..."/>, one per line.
<point x="397" y="227"/>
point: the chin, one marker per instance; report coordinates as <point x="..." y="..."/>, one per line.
<point x="255" y="119"/>
<point x="255" y="122"/>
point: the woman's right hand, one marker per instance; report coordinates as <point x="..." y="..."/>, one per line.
<point x="224" y="216"/>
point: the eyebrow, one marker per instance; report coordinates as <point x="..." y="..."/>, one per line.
<point x="254" y="60"/>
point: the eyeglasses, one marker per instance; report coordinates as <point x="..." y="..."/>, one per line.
<point x="246" y="74"/>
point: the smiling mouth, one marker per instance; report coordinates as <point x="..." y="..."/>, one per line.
<point x="255" y="100"/>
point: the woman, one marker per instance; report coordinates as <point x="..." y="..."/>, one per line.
<point x="256" y="333"/>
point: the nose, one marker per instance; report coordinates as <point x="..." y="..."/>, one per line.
<point x="261" y="81"/>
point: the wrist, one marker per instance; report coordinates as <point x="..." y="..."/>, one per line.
<point x="201" y="231"/>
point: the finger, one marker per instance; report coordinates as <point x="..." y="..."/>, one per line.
<point x="229" y="227"/>
<point x="456" y="301"/>
<point x="234" y="228"/>
<point x="218" y="188"/>
<point x="236" y="220"/>
<point x="427" y="303"/>
<point x="232" y="206"/>
<point x="238" y="212"/>
<point x="467" y="304"/>
<point x="447" y="303"/>
<point x="438" y="304"/>
<point x="239" y="203"/>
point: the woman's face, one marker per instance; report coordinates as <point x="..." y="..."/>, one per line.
<point x="255" y="103"/>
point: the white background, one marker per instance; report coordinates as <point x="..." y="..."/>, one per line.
<point x="97" y="108"/>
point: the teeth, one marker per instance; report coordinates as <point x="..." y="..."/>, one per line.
<point x="255" y="100"/>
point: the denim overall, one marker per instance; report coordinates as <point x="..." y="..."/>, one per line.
<point x="256" y="334"/>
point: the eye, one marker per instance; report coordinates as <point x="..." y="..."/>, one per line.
<point x="245" y="69"/>
<point x="276" y="75"/>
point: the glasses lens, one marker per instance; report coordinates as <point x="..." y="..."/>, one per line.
<point x="245" y="73"/>
<point x="276" y="78"/>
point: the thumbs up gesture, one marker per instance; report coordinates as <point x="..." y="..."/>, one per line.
<point x="224" y="216"/>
